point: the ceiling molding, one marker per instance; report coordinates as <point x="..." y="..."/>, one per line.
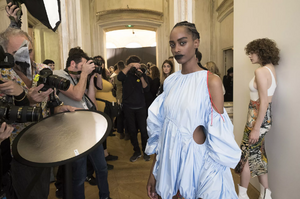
<point x="122" y="27"/>
<point x="224" y="9"/>
<point x="108" y="16"/>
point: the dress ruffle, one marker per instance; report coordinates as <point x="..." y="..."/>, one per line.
<point x="196" y="170"/>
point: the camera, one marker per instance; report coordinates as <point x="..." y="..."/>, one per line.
<point x="49" y="80"/>
<point x="20" y="114"/>
<point x="6" y="59"/>
<point x="97" y="70"/>
<point x="136" y="72"/>
<point x="99" y="64"/>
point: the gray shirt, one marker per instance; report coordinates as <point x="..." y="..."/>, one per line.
<point x="84" y="103"/>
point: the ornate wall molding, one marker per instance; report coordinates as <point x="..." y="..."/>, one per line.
<point x="129" y="14"/>
<point x="33" y="21"/>
<point x="224" y="9"/>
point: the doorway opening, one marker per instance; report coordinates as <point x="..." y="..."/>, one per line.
<point x="120" y="44"/>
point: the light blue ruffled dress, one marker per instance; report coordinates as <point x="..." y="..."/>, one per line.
<point x="196" y="170"/>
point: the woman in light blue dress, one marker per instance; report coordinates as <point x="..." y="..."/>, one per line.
<point x="192" y="141"/>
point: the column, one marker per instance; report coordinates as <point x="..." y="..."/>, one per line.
<point x="183" y="11"/>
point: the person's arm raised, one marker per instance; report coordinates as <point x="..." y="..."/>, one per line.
<point x="76" y="92"/>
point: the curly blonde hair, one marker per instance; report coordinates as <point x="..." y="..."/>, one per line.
<point x="212" y="67"/>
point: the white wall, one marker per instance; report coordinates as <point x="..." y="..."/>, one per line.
<point x="121" y="38"/>
<point x="279" y="21"/>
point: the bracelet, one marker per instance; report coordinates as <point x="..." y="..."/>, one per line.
<point x="18" y="100"/>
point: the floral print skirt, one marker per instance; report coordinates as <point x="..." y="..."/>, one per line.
<point x="256" y="153"/>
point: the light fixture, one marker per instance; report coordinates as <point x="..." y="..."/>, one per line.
<point x="129" y="26"/>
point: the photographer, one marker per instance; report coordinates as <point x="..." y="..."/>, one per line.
<point x="17" y="43"/>
<point x="77" y="71"/>
<point x="134" y="105"/>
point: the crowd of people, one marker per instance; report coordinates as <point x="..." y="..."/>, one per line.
<point x="179" y="115"/>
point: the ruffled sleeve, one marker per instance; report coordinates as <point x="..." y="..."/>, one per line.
<point x="155" y="122"/>
<point x="223" y="147"/>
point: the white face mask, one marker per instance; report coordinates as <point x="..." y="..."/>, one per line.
<point x="22" y="58"/>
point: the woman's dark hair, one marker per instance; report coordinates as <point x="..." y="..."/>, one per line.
<point x="48" y="61"/>
<point x="133" y="59"/>
<point x="195" y="35"/>
<point x="163" y="75"/>
<point x="115" y="67"/>
<point x="103" y="71"/>
<point x="99" y="57"/>
<point x="154" y="72"/>
<point x="230" y="70"/>
<point x="190" y="27"/>
<point x="266" y="50"/>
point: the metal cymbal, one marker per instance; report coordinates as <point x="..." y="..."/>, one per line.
<point x="61" y="138"/>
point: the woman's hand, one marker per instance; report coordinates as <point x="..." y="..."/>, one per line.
<point x="253" y="136"/>
<point x="151" y="187"/>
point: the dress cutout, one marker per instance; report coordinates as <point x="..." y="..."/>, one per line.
<point x="195" y="170"/>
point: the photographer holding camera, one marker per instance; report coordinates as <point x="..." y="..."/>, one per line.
<point x="18" y="85"/>
<point x="134" y="86"/>
<point x="78" y="69"/>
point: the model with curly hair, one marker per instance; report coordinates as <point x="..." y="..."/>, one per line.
<point x="259" y="120"/>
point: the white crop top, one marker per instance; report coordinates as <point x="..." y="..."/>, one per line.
<point x="253" y="91"/>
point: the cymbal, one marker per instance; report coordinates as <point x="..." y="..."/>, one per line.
<point x="61" y="138"/>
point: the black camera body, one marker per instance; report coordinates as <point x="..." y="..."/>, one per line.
<point x="20" y="114"/>
<point x="96" y="70"/>
<point x="136" y="72"/>
<point x="6" y="59"/>
<point x="99" y="64"/>
<point x="49" y="80"/>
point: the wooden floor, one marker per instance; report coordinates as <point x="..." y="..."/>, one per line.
<point x="128" y="180"/>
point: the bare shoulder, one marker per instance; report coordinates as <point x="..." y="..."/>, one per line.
<point x="214" y="81"/>
<point x="262" y="72"/>
<point x="216" y="91"/>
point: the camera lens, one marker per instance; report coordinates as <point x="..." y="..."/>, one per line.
<point x="21" y="114"/>
<point x="58" y="82"/>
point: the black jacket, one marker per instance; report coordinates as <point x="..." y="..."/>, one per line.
<point x="133" y="91"/>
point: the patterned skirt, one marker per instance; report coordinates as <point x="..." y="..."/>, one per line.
<point x="256" y="153"/>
